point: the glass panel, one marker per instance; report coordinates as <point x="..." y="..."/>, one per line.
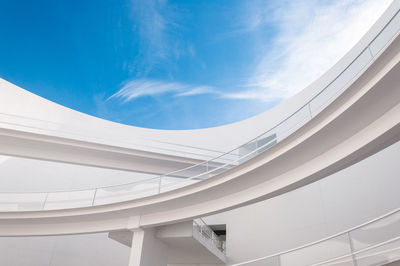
<point x="342" y="82"/>
<point x="265" y="142"/>
<point x="127" y="192"/>
<point x="191" y="171"/>
<point x="386" y="35"/>
<point x="70" y="199"/>
<point x="220" y="169"/>
<point x="205" y="170"/>
<point x="22" y="201"/>
<point x="293" y="123"/>
<point x="343" y="261"/>
<point x="247" y="148"/>
<point x="380" y="255"/>
<point x="377" y="232"/>
<point x="320" y="252"/>
<point x="253" y="148"/>
<point x="230" y="157"/>
<point x="171" y="183"/>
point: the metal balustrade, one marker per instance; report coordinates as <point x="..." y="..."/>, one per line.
<point x="10" y="201"/>
<point x="373" y="243"/>
<point x="208" y="234"/>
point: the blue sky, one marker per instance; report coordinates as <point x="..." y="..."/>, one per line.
<point x="175" y="64"/>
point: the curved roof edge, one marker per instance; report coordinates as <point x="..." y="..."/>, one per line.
<point x="22" y="110"/>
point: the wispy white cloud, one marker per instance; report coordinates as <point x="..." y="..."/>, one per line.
<point x="255" y="14"/>
<point x="147" y="87"/>
<point x="198" y="90"/>
<point x="150" y="23"/>
<point x="258" y="94"/>
<point x="191" y="50"/>
<point x="311" y="36"/>
<point x="157" y="24"/>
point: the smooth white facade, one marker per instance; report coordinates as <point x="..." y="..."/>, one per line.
<point x="350" y="113"/>
<point x="348" y="198"/>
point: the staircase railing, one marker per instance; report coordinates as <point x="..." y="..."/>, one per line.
<point x="207" y="233"/>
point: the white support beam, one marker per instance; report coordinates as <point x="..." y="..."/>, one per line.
<point x="147" y="250"/>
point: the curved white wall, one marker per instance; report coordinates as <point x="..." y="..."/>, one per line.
<point x="315" y="138"/>
<point x="22" y="110"/>
<point x="74" y="250"/>
<point x="55" y="176"/>
<point x="350" y="197"/>
<point x="341" y="201"/>
<point x="347" y="198"/>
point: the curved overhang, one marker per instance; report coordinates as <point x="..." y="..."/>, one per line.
<point x="361" y="120"/>
<point x="27" y="116"/>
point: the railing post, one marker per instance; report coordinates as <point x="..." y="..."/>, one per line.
<point x="45" y="200"/>
<point x="370" y="52"/>
<point x="94" y="196"/>
<point x="352" y="249"/>
<point x="256" y="144"/>
<point x="309" y="110"/>
<point x="159" y="185"/>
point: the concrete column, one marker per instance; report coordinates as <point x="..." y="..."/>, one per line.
<point x="147" y="250"/>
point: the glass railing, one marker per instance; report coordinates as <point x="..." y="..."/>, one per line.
<point x="374" y="243"/>
<point x="217" y="165"/>
<point x="200" y="227"/>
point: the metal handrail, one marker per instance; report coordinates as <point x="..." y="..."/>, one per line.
<point x="320" y="240"/>
<point x="358" y="251"/>
<point x="215" y="239"/>
<point x="363" y="250"/>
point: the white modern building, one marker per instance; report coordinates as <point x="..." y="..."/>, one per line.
<point x="313" y="181"/>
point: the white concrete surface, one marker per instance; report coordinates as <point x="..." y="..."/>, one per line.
<point x="350" y="197"/>
<point x="362" y="121"/>
<point x="77" y="250"/>
<point x="147" y="250"/>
